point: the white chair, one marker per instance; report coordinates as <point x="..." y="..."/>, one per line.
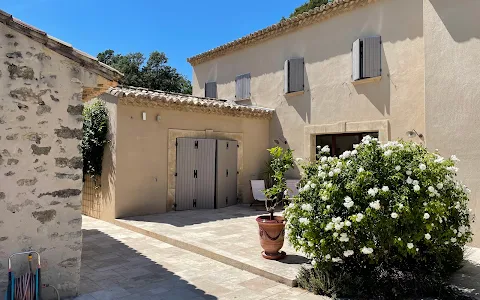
<point x="292" y="185"/>
<point x="257" y="190"/>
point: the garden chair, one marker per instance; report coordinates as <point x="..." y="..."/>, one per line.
<point x="257" y="190"/>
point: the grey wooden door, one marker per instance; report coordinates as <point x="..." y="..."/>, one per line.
<point x="205" y="176"/>
<point x="185" y="180"/>
<point x="226" y="173"/>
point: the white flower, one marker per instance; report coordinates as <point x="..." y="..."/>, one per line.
<point x="409" y="180"/>
<point x="336" y="220"/>
<point x="304" y="221"/>
<point x="454" y="158"/>
<point x="322" y="174"/>
<point x="339" y="164"/>
<point x="453" y="240"/>
<point x="346" y="154"/>
<point x="415" y="182"/>
<point x="310" y="243"/>
<point x="371" y="192"/>
<point x="313" y="185"/>
<point x="410" y="245"/>
<point x="338" y="227"/>
<point x="400" y="205"/>
<point x="324" y="198"/>
<point x="359" y="217"/>
<point x="426" y="216"/>
<point x="446" y="243"/>
<point x="399" y="239"/>
<point x="330" y="174"/>
<point x="397" y="168"/>
<point x="394" y="215"/>
<point x="335" y="234"/>
<point x="422" y="167"/>
<point x="348" y="223"/>
<point x="336" y="171"/>
<point x="328" y="206"/>
<point x="366" y="250"/>
<point x="452" y="169"/>
<point x="439" y="185"/>
<point x="409" y="172"/>
<point x="343" y="237"/>
<point x="454" y="231"/>
<point x="459" y="234"/>
<point x="387" y="153"/>
<point x="439" y="159"/>
<point x="307" y="207"/>
<point x="327" y="257"/>
<point x="323" y="159"/>
<point x="325" y="149"/>
<point x="348" y="202"/>
<point x="336" y="259"/>
<point x="329" y="185"/>
<point x="354" y="152"/>
<point x="431" y="189"/>
<point x="319" y="147"/>
<point x="428" y="236"/>
<point x="329" y="226"/>
<point x="348" y="253"/>
<point x="314" y="262"/>
<point x="375" y="205"/>
<point x="385" y="188"/>
<point x="462" y="229"/>
<point x="416" y="188"/>
<point x="360" y="170"/>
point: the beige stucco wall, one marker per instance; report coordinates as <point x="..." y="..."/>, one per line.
<point x="329" y="96"/>
<point x="452" y="88"/>
<point x="142" y="153"/>
<point x="40" y="161"/>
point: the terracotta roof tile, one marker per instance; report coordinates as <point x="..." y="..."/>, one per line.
<point x="307" y="18"/>
<point x="152" y="98"/>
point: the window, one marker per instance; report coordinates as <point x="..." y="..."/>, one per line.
<point x="242" y="87"/>
<point x="294" y="69"/>
<point x="211" y="89"/>
<point x="340" y="143"/>
<point x="367" y="58"/>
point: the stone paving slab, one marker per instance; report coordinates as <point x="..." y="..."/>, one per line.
<point x="228" y="235"/>
<point x="141" y="267"/>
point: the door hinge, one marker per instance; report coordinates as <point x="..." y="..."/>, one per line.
<point x="226" y="200"/>
<point x="238" y="172"/>
<point x="176" y="144"/>
<point x="175" y="206"/>
<point x="195" y="174"/>
<point x="194" y="202"/>
<point x="227" y="145"/>
<point x="196" y="144"/>
<point x="227" y="172"/>
<point x="175" y="174"/>
<point x="238" y="146"/>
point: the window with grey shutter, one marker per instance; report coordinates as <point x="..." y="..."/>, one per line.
<point x="294" y="75"/>
<point x="242" y="87"/>
<point x="211" y="89"/>
<point x="367" y="58"/>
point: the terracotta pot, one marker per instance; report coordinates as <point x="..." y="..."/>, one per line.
<point x="272" y="234"/>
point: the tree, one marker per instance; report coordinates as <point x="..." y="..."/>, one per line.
<point x="154" y="74"/>
<point x="308" y="6"/>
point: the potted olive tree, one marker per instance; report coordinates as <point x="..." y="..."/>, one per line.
<point x="271" y="227"/>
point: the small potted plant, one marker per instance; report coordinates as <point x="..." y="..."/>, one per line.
<point x="272" y="228"/>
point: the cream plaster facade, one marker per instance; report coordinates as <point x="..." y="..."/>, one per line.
<point x="430" y="82"/>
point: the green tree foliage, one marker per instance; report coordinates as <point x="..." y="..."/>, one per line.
<point x="308" y="6"/>
<point x="153" y="74"/>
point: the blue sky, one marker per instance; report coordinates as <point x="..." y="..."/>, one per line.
<point x="179" y="28"/>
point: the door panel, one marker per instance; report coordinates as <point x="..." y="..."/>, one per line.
<point x="205" y="166"/>
<point x="185" y="181"/>
<point x="226" y="173"/>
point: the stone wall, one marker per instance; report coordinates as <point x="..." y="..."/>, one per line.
<point x="40" y="160"/>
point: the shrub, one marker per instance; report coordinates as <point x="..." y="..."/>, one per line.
<point x="383" y="219"/>
<point x="95" y="129"/>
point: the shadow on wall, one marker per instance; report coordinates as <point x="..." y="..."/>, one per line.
<point x="379" y="93"/>
<point x="461" y="21"/>
<point x="112" y="270"/>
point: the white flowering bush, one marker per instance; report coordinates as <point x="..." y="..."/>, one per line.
<point x="392" y="205"/>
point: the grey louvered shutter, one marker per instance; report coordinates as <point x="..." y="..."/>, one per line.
<point x="372" y="55"/>
<point x="356" y="60"/>
<point x="211" y="89"/>
<point x="296" y="68"/>
<point x="286" y="71"/>
<point x="242" y="89"/>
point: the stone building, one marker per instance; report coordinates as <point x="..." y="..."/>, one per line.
<point x="42" y="83"/>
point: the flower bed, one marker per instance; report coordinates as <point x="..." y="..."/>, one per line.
<point x="388" y="214"/>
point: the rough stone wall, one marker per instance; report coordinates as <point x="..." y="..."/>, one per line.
<point x="40" y="160"/>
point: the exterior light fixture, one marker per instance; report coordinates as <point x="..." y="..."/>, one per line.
<point x="413" y="133"/>
<point x="158" y="118"/>
<point x="144" y="116"/>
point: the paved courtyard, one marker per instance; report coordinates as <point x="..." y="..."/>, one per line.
<point x="122" y="264"/>
<point x="228" y="235"/>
